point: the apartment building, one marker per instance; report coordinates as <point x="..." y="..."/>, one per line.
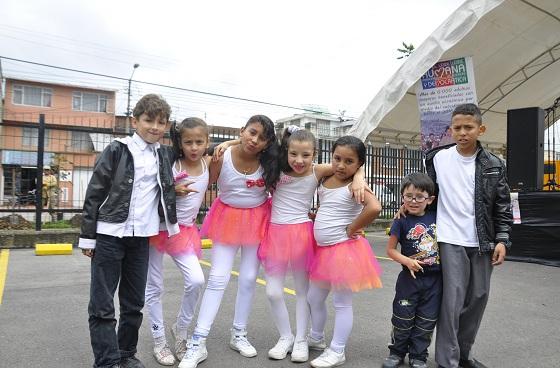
<point x="323" y="126"/>
<point x="79" y="122"/>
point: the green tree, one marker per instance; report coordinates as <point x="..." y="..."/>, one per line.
<point x="406" y="50"/>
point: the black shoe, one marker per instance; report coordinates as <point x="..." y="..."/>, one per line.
<point x="392" y="361"/>
<point x="131" y="362"/>
<point x="416" y="363"/>
<point x="471" y="363"/>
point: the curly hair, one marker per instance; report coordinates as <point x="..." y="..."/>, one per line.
<point x="152" y="105"/>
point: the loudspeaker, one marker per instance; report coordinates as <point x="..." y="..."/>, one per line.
<point x="525" y="151"/>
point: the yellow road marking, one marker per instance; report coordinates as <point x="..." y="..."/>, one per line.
<point x="384" y="258"/>
<point x="259" y="281"/>
<point x="4" y="255"/>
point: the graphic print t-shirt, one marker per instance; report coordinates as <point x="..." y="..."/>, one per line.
<point x="417" y="237"/>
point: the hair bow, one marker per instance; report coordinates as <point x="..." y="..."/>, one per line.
<point x="251" y="183"/>
<point x="293" y="128"/>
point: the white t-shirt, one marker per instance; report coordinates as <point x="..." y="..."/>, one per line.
<point x="456" y="220"/>
<point x="291" y="201"/>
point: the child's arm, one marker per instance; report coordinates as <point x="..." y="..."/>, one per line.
<point x="371" y="210"/>
<point x="222" y="147"/>
<point x="502" y="219"/>
<point x="97" y="190"/>
<point x="392" y="251"/>
<point x="214" y="168"/>
<point x="359" y="185"/>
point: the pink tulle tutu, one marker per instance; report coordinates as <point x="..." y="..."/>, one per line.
<point x="186" y="241"/>
<point x="288" y="245"/>
<point x="350" y="264"/>
<point x="236" y="226"/>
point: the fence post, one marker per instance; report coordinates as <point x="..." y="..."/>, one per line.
<point x="39" y="187"/>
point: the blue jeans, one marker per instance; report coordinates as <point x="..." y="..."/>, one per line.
<point x="115" y="260"/>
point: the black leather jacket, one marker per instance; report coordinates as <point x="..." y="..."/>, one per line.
<point x="110" y="188"/>
<point x="491" y="195"/>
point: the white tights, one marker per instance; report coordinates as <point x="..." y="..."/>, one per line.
<point x="343" y="317"/>
<point x="193" y="280"/>
<point x="275" y="294"/>
<point x="222" y="263"/>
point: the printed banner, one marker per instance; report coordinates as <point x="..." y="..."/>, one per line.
<point x="445" y="85"/>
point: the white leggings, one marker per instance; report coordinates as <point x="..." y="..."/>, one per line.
<point x="343" y="317"/>
<point x="193" y="280"/>
<point x="275" y="294"/>
<point x="222" y="263"/>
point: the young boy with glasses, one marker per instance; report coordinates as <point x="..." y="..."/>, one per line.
<point x="419" y="287"/>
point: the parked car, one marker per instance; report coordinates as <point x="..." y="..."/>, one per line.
<point x="385" y="196"/>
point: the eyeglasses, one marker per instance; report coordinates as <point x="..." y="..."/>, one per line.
<point x="410" y="198"/>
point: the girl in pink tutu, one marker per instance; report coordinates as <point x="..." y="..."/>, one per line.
<point x="289" y="242"/>
<point x="236" y="221"/>
<point x="344" y="262"/>
<point x="191" y="174"/>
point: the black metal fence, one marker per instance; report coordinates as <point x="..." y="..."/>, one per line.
<point x="70" y="152"/>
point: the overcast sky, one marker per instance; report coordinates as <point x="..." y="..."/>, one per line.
<point x="331" y="54"/>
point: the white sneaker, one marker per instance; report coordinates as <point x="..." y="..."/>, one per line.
<point x="282" y="348"/>
<point x="196" y="353"/>
<point x="240" y="343"/>
<point x="316" y="344"/>
<point x="300" y="351"/>
<point x="163" y="355"/>
<point x="329" y="358"/>
<point x="180" y="343"/>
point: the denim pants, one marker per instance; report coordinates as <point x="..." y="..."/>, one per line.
<point x="121" y="262"/>
<point x="415" y="312"/>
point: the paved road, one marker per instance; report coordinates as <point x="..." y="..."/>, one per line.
<point x="43" y="317"/>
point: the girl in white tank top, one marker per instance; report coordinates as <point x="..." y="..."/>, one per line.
<point x="289" y="243"/>
<point x="191" y="174"/>
<point x="236" y="221"/>
<point x="343" y="262"/>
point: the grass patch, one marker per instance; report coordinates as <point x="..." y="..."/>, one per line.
<point x="62" y="224"/>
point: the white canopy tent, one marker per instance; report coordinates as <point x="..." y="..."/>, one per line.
<point x="515" y="46"/>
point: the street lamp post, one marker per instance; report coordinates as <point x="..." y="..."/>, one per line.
<point x="129" y="83"/>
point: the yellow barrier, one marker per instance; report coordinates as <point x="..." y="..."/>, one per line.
<point x="53" y="249"/>
<point x="206" y="243"/>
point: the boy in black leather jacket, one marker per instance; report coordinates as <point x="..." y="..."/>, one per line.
<point x="474" y="221"/>
<point x="131" y="177"/>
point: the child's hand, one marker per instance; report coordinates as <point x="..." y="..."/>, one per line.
<point x="221" y="148"/>
<point x="400" y="213"/>
<point x="88" y="252"/>
<point x="499" y="254"/>
<point x="413" y="266"/>
<point x="183" y="189"/>
<point x="359" y="188"/>
<point x="353" y="234"/>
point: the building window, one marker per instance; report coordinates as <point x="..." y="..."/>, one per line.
<point x="32" y="96"/>
<point x="94" y="102"/>
<point x="30" y="137"/>
<point x="323" y="128"/>
<point x="81" y="141"/>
